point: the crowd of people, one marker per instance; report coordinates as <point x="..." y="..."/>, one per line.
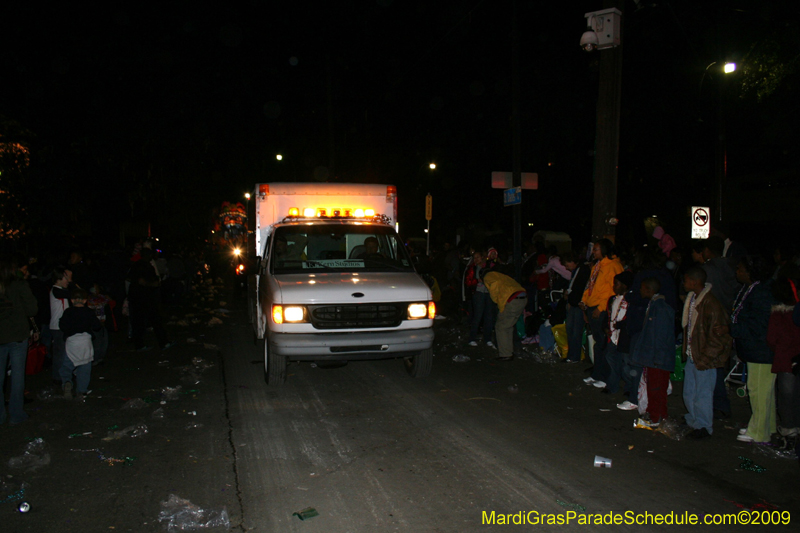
<point x="71" y="307"/>
<point x="726" y="318"/>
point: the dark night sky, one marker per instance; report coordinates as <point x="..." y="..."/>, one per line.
<point x="160" y="113"/>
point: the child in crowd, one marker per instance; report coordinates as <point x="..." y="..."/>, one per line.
<point x="705" y="351"/>
<point x="78" y="323"/>
<point x="618" y="341"/>
<point x="655" y="348"/>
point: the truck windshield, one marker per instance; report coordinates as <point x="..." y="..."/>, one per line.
<point x="340" y="248"/>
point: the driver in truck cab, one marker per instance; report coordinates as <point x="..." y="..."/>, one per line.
<point x="293" y="252"/>
<point x="370" y="249"/>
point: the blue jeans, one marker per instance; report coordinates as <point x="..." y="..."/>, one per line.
<point x="616" y="365"/>
<point x="698" y="395"/>
<point x="600" y="371"/>
<point x="575" y="325"/>
<point x="59" y="351"/>
<point x="483" y="310"/>
<point x="17" y="353"/>
<point x="721" y="400"/>
<point x="100" y="343"/>
<point x="83" y="374"/>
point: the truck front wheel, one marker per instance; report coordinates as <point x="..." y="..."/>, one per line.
<point x="419" y="365"/>
<point x="274" y="366"/>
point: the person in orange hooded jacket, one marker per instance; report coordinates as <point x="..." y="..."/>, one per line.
<point x="595" y="300"/>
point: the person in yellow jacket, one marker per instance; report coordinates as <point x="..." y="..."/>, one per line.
<point x="594" y="303"/>
<point x="511" y="300"/>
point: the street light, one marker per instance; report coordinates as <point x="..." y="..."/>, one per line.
<point x="432" y="166"/>
<point x="279" y="157"/>
<point x="247" y="196"/>
<point x="729" y="67"/>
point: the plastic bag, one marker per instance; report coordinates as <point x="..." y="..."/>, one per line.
<point x="134" y="431"/>
<point x="670" y="428"/>
<point x="546" y="339"/>
<point x="171" y="393"/>
<point x="135" y="403"/>
<point x="642" y="396"/>
<point x="182" y="515"/>
<point x="34" y="457"/>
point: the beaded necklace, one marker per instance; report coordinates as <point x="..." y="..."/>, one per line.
<point x="689" y="322"/>
<point x="593" y="277"/>
<point x="744" y="292"/>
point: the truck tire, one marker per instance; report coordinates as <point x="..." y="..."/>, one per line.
<point x="419" y="365"/>
<point x="274" y="366"/>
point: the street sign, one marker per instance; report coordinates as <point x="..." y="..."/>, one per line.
<point x="701" y="222"/>
<point x="428" y="207"/>
<point x="502" y="180"/>
<point x="512" y="196"/>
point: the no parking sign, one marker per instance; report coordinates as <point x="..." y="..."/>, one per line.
<point x="701" y="222"/>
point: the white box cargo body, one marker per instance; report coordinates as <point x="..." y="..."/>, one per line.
<point x="333" y="281"/>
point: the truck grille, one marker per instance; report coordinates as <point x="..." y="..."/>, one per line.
<point x="357" y="316"/>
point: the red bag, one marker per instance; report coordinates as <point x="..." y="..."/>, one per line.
<point x="36" y="354"/>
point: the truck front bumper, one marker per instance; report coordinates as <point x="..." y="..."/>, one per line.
<point x="351" y="345"/>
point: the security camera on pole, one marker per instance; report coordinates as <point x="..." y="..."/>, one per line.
<point x="605" y="33"/>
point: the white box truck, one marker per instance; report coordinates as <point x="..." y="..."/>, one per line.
<point x="332" y="280"/>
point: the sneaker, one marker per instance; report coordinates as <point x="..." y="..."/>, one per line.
<point x="588" y="380"/>
<point x="473" y="343"/>
<point x="698" y="434"/>
<point x="168" y="345"/>
<point x="627" y="406"/>
<point x="744" y="437"/>
<point x="788" y="432"/>
<point x="490" y="344"/>
<point x="68" y="390"/>
<point x="742" y="431"/>
<point x="599" y="384"/>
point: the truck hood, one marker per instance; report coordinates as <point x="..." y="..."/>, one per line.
<point x="339" y="288"/>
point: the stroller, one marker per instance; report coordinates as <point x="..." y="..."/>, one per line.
<point x="737" y="377"/>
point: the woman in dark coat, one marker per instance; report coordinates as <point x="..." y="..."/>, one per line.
<point x="749" y="321"/>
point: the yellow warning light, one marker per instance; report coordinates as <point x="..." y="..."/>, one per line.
<point x="359" y="213"/>
<point x="369" y="212"/>
<point x="322" y="212"/>
<point x="294" y="212"/>
<point x="308" y="212"/>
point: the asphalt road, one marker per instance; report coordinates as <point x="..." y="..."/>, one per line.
<point x="365" y="445"/>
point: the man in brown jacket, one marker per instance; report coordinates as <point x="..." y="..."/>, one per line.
<point x="705" y="351"/>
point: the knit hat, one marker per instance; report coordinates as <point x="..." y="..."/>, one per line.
<point x="490" y="250"/>
<point x="658" y="232"/>
<point x="625" y="277"/>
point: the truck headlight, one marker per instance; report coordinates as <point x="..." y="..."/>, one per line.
<point x="291" y="313"/>
<point x="417" y="310"/>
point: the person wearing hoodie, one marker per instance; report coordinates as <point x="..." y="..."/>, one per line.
<point x="511" y="299"/>
<point x="749" y="321"/>
<point x="705" y="349"/>
<point x="17" y="305"/>
<point x="665" y="241"/>
<point x="595" y="302"/>
<point x="724" y="287"/>
<point x="655" y="348"/>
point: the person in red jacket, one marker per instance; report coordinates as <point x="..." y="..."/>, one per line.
<point x="783" y="338"/>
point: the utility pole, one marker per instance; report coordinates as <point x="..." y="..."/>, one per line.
<point x="516" y="164"/>
<point x="607" y="138"/>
